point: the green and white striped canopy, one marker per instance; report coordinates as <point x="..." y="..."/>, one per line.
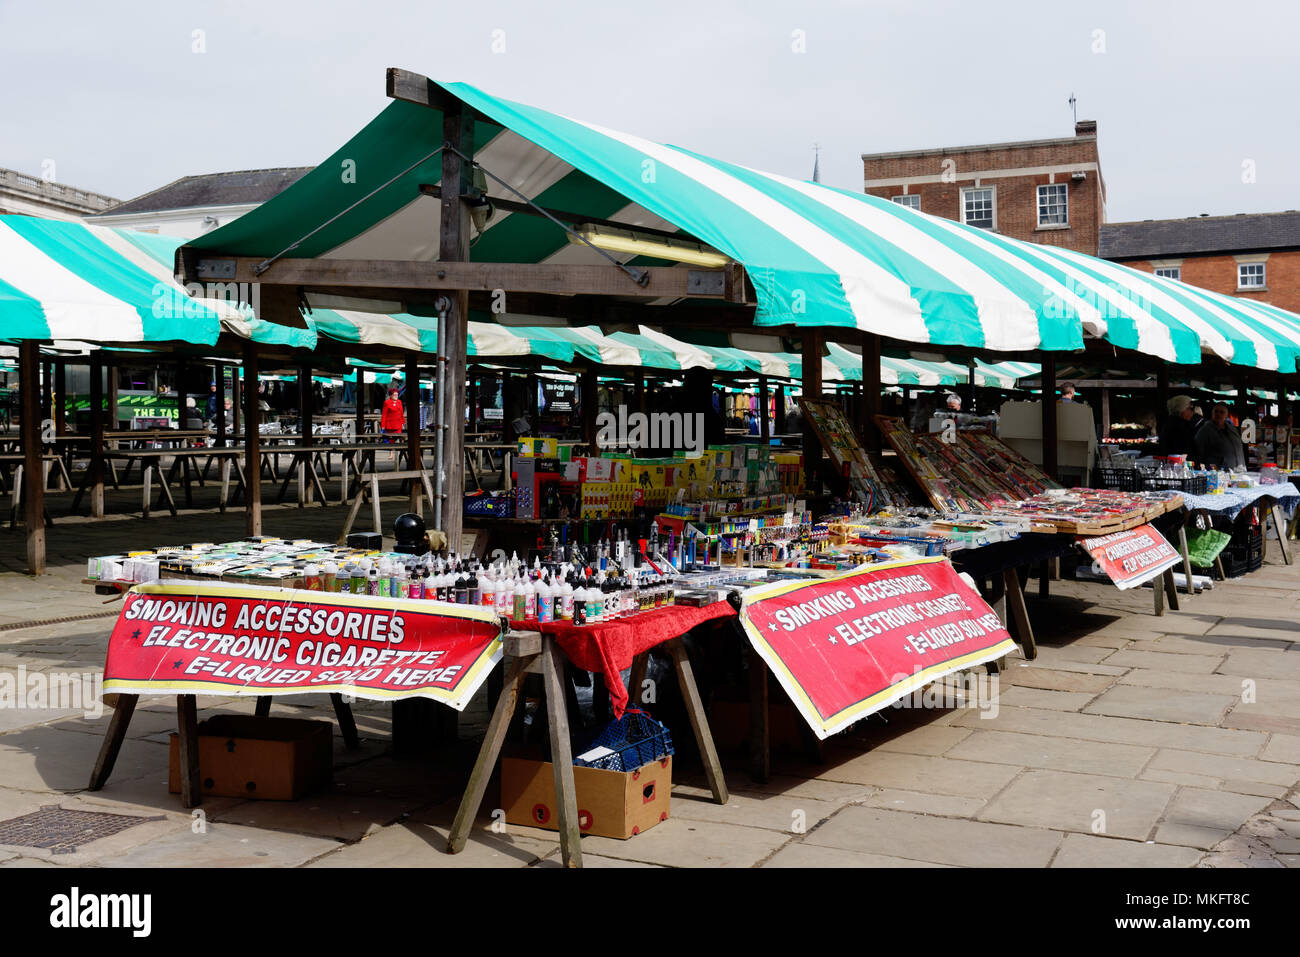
<point x="817" y="256"/>
<point x="65" y="280"/>
<point x="78" y="283"/>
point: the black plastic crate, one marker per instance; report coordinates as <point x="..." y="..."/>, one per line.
<point x="1121" y="480"/>
<point x="1191" y="485"/>
<point x="1239" y="560"/>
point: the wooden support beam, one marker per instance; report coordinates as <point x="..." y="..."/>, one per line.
<point x="453" y="255"/>
<point x="252" y="442"/>
<point x="29" y="385"/>
<point x="219" y="377"/>
<point x="395" y="278"/>
<point x="61" y="397"/>
<point x="779" y="410"/>
<point x="867" y="431"/>
<point x="47" y="390"/>
<point x="812" y="389"/>
<point x="589" y="386"/>
<point x="413" y="454"/>
<point x="1049" y="414"/>
<point x="362" y="394"/>
<point x="765" y="416"/>
<point x="96" y="437"/>
<point x="419" y="89"/>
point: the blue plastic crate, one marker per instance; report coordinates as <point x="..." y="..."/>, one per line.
<point x="634" y="740"/>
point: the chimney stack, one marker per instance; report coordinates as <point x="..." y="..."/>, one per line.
<point x="1085" y="127"/>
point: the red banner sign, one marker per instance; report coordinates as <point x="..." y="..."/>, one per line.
<point x="1130" y="558"/>
<point x="199" y="638"/>
<point x="847" y="646"/>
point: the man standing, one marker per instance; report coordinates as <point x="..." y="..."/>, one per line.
<point x="1176" y="431"/>
<point x="212" y="402"/>
<point x="1218" y="443"/>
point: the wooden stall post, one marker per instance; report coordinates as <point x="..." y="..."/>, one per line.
<point x="1105" y="413"/>
<point x="29" y="384"/>
<point x="812" y="389"/>
<point x="1049" y="415"/>
<point x="252" y="442"/>
<point x="361" y="402"/>
<point x="219" y="376"/>
<point x="413" y="453"/>
<point x="764" y="414"/>
<point x="589" y="386"/>
<point x="96" y="437"/>
<point x="867" y="431"/>
<point x="61" y="397"/>
<point x="47" y="389"/>
<point x="1162" y="391"/>
<point x="112" y="397"/>
<point x="236" y="405"/>
<point x="453" y="246"/>
<point x="305" y="433"/>
<point x="779" y="410"/>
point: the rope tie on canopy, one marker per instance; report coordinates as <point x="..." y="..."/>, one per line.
<point x="639" y="276"/>
<point x="266" y="264"/>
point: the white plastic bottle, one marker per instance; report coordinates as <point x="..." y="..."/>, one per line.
<point x="530" y="601"/>
<point x="566" y="601"/>
<point x="505" y="597"/>
<point x="545" y="601"/>
<point x="489" y="590"/>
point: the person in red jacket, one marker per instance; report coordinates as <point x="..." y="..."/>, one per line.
<point x="393" y="417"/>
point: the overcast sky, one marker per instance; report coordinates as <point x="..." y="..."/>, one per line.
<point x="1191" y="98"/>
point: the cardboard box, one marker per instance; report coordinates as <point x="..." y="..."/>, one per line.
<point x="274" y="759"/>
<point x="610" y="803"/>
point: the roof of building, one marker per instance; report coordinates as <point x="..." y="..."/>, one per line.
<point x="236" y="188"/>
<point x="1086" y="131"/>
<point x="1153" y="238"/>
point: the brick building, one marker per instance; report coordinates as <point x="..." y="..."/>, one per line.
<point x="1043" y="191"/>
<point x="1255" y="255"/>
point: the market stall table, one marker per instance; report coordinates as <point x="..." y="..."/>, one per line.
<point x="1270" y="502"/>
<point x="607" y="648"/>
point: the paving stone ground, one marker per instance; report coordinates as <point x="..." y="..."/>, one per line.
<point x="1131" y="741"/>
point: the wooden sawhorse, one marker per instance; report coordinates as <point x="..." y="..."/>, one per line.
<point x="187" y="722"/>
<point x="536" y="653"/>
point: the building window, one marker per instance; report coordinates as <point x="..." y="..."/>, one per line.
<point x="977" y="207"/>
<point x="1053" y="205"/>
<point x="1250" y="275"/>
<point x="1170" y="272"/>
<point x="910" y="200"/>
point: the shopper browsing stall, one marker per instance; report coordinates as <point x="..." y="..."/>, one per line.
<point x="1218" y="443"/>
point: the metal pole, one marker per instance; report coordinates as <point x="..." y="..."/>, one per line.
<point x="443" y="305"/>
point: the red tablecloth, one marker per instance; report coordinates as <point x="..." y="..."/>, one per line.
<point x="611" y="646"/>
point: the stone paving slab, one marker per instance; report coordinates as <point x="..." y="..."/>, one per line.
<point x="923" y="773"/>
<point x="1085" y="850"/>
<point x="1094" y="727"/>
<point x="684" y="843"/>
<point x="1219" y="766"/>
<point x="1022" y="697"/>
<point x="921" y="802"/>
<point x="816" y="855"/>
<point x="1162" y="704"/>
<point x="1199" y="817"/>
<point x="935" y="839"/>
<point x="1282" y="747"/>
<point x="1061" y="754"/>
<point x="1051" y="679"/>
<point x="1158" y="661"/>
<point x="222" y="845"/>
<point x="1076" y="802"/>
